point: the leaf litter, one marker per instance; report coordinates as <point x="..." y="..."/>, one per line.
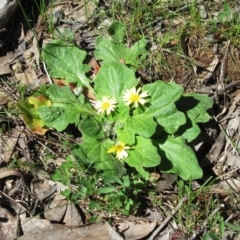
<point x="204" y="64"/>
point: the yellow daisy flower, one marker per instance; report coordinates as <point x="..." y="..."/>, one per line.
<point x="133" y="96"/>
<point x="107" y="104"/>
<point x="120" y="149"/>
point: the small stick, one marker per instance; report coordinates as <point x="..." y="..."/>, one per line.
<point x="48" y="77"/>
<point x="222" y="72"/>
<point x="164" y="223"/>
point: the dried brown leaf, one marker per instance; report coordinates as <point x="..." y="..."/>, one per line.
<point x="9" y="225"/>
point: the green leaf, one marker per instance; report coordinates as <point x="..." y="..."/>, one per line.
<point x="65" y="61"/>
<point x="179" y="158"/>
<point x="139" y="48"/>
<point x="195" y="106"/>
<point x="39" y="101"/>
<point x="162" y="105"/>
<point x="81" y="157"/>
<point x="143" y="155"/>
<point x="126" y="135"/>
<point x="189" y="131"/>
<point x="117" y="31"/>
<point x="213" y="236"/>
<point x="141" y="124"/>
<point x="92" y="127"/>
<point x="61" y="94"/>
<point x="126" y="181"/>
<point x="114" y="78"/>
<point x="96" y="152"/>
<point x="59" y="117"/>
<point x="64" y="110"/>
<point x="60" y="176"/>
<point x="105" y="190"/>
<point x="29" y="112"/>
<point x="107" y="50"/>
<point x="235" y="227"/>
<point x="63" y="174"/>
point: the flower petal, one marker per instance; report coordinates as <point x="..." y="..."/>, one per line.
<point x="120" y="149"/>
<point x="134" y="97"/>
<point x="107" y="104"/>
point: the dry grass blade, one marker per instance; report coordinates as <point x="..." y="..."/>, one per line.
<point x="165" y="222"/>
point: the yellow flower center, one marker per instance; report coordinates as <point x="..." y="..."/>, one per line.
<point x="119" y="148"/>
<point x="105" y="105"/>
<point x="134" y="98"/>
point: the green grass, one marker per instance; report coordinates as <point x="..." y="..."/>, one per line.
<point x="142" y="18"/>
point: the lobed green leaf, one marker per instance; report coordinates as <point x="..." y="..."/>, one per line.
<point x="182" y="159"/>
<point x="65" y="108"/>
<point x="117" y="31"/>
<point x="162" y="105"/>
<point x="195" y="107"/>
<point x="143" y="155"/>
<point x="141" y="124"/>
<point x="96" y="152"/>
<point x="113" y="79"/>
<point x="109" y="51"/>
<point x="65" y="61"/>
<point x="92" y="127"/>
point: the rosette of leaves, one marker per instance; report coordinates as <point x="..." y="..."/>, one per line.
<point x="157" y="133"/>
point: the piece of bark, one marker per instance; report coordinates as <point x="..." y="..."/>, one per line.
<point x="99" y="231"/>
<point x="72" y="216"/>
<point x="8" y="225"/>
<point x="56" y="210"/>
<point x="31" y="225"/>
<point x="132" y="231"/>
<point x="215" y="151"/>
